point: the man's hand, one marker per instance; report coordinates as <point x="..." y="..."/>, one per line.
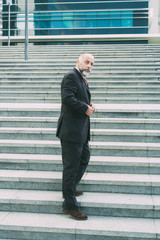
<point x="90" y="109"/>
<point x="92" y="105"/>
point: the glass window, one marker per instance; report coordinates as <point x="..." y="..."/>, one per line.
<point x="102" y="19"/>
<point x="56" y="20"/>
<point x="67" y="24"/>
<point x="79" y="20"/>
<point x="127" y="22"/>
<point x="127" y="19"/>
<point x="91" y="23"/>
<point x="102" y="23"/>
<point x="103" y="14"/>
<point x="79" y="24"/>
<point x="109" y="18"/>
<point x="56" y="23"/>
<point x="67" y="20"/>
<point x="115" y="19"/>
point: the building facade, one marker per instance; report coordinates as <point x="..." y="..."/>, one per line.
<point x="84" y="17"/>
<point x="90" y="17"/>
<point x="12" y="16"/>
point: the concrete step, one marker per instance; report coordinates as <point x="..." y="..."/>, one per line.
<point x="99" y="82"/>
<point x="101" y="135"/>
<point x="125" y="100"/>
<point x="74" y="51"/>
<point x="99" y="71"/>
<point x="55" y="227"/>
<point x="100" y="204"/>
<point x="55" y="94"/>
<point x="101" y="164"/>
<point x="143" y="111"/>
<point x="59" y="55"/>
<point x="98" y="123"/>
<point x="124" y="135"/>
<point x="46" y="99"/>
<point x="111" y="93"/>
<point x="98" y="75"/>
<point x="91" y="182"/>
<point x="10" y="68"/>
<point x="68" y="50"/>
<point x="108" y="59"/>
<point x="127" y="149"/>
<point x="106" y="100"/>
<point x="120" y="89"/>
<point x="52" y="64"/>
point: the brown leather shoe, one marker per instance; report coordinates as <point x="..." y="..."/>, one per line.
<point x="76" y="214"/>
<point x="78" y="193"/>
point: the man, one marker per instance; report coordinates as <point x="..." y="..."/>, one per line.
<point x="74" y="132"/>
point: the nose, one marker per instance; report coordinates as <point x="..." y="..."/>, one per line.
<point x="90" y="66"/>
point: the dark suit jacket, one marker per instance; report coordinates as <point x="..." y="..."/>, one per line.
<point x="73" y="123"/>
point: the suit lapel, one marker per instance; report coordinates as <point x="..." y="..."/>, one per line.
<point x="82" y="79"/>
<point x="86" y="87"/>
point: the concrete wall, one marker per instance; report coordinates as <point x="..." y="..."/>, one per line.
<point x="153" y="16"/>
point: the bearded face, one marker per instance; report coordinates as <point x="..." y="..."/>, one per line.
<point x="85" y="64"/>
<point x="84" y="71"/>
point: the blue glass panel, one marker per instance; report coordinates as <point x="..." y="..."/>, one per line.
<point x="115" y="14"/>
<point x="79" y="24"/>
<point x="91" y="23"/>
<point x="67" y="24"/>
<point x="102" y="23"/>
<point x="56" y="24"/>
<point x="127" y="22"/>
<point x="42" y="24"/>
<point x="103" y="14"/>
<point x="127" y="19"/>
<point x="91" y="14"/>
<point x="114" y="23"/>
<point x="79" y="14"/>
<point x="67" y="20"/>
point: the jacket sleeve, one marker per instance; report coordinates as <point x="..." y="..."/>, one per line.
<point x="69" y="95"/>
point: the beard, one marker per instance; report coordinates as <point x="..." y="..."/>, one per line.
<point x="85" y="72"/>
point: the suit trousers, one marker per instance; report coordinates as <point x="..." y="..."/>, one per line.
<point x="75" y="157"/>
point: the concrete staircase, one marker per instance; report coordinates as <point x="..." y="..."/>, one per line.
<point x="122" y="182"/>
<point x="122" y="74"/>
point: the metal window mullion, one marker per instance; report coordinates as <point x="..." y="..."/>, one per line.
<point x="26" y="29"/>
<point x="9" y="24"/>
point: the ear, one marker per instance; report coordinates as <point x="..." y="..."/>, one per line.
<point x="78" y="63"/>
